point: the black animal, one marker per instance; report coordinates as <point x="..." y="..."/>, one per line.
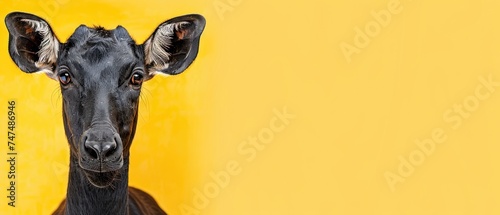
<point x="100" y="74"/>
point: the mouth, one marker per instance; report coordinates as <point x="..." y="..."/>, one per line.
<point x="101" y="173"/>
<point x="101" y="179"/>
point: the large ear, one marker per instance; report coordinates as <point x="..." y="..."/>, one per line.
<point x="174" y="45"/>
<point x="32" y="44"/>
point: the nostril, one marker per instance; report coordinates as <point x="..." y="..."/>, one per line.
<point x="99" y="146"/>
<point x="109" y="149"/>
<point x="92" y="151"/>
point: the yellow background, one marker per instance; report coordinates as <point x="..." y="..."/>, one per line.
<point x="353" y="121"/>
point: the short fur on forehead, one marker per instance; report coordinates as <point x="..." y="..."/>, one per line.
<point x="97" y="41"/>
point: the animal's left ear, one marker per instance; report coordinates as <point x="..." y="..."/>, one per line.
<point x="174" y="45"/>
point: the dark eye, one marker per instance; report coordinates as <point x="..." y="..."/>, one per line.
<point x="136" y="79"/>
<point x="64" y="78"/>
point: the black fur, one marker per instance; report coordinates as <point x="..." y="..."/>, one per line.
<point x="100" y="73"/>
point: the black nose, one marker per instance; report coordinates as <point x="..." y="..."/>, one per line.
<point x="101" y="143"/>
<point x="99" y="150"/>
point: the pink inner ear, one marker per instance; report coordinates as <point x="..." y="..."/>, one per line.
<point x="28" y="30"/>
<point x="180" y="34"/>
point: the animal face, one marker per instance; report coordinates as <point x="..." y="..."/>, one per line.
<point x="100" y="74"/>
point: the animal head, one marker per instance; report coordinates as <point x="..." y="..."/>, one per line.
<point x="100" y="73"/>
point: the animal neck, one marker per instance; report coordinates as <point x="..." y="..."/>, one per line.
<point x="84" y="198"/>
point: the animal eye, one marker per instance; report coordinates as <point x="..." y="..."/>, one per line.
<point x="64" y="78"/>
<point x="136" y="79"/>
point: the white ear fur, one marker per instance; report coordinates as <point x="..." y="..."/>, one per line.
<point x="49" y="47"/>
<point x="156" y="47"/>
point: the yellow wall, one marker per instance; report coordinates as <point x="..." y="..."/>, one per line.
<point x="356" y="116"/>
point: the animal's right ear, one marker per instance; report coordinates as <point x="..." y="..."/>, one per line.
<point x="32" y="44"/>
<point x="174" y="45"/>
